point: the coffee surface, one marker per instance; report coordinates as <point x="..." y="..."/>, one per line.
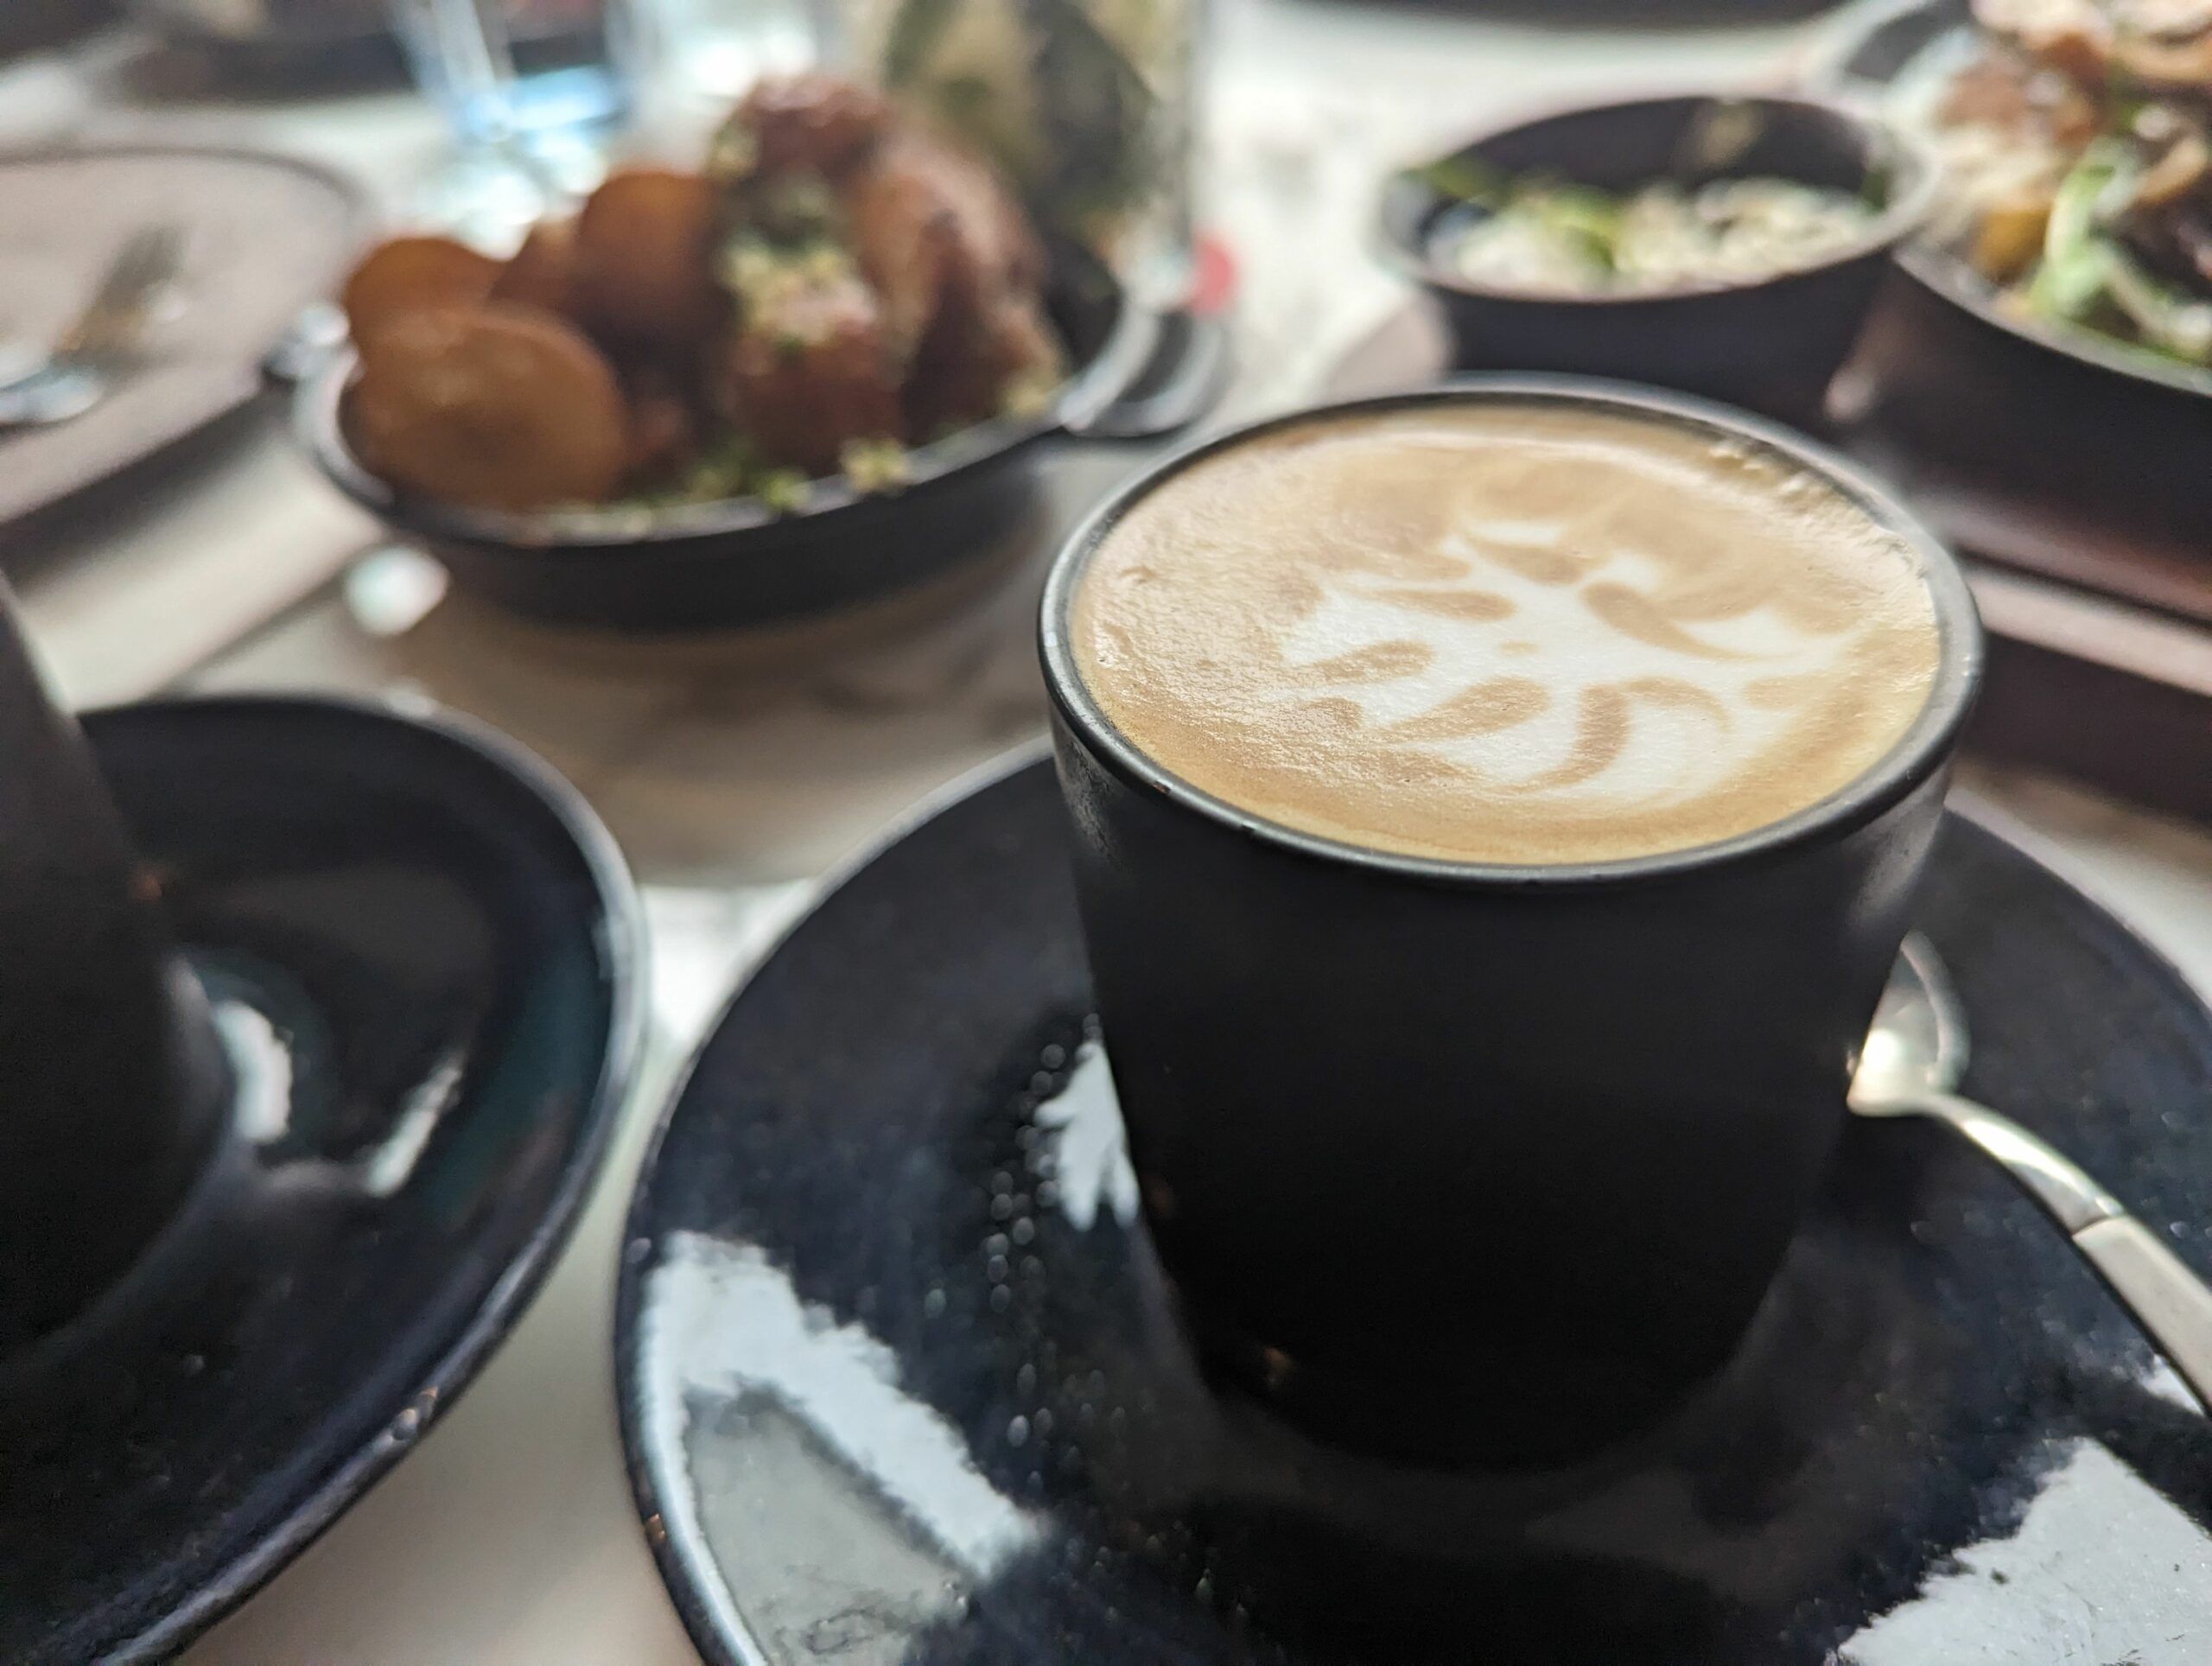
<point x="1507" y="631"/>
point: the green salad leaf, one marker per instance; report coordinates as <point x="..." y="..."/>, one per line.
<point x="1587" y="218"/>
<point x="2077" y="255"/>
<point x="1464" y="179"/>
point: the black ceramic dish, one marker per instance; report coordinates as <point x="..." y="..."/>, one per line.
<point x="50" y="23"/>
<point x="2096" y="415"/>
<point x="1636" y="1032"/>
<point x="423" y="953"/>
<point x="740" y="562"/>
<point x="314" y="44"/>
<point x="330" y="44"/>
<point x="1770" y="345"/>
<point x="899" y="1376"/>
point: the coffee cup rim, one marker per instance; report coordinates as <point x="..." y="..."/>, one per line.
<point x="1924" y="747"/>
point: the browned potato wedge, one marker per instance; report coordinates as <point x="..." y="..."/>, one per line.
<point x="645" y="254"/>
<point x="490" y="406"/>
<point x="542" y="273"/>
<point x="407" y="274"/>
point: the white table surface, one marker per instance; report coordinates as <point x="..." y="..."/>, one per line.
<point x="736" y="771"/>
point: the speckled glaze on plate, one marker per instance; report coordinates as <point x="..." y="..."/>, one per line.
<point x="423" y="951"/>
<point x="901" y="1382"/>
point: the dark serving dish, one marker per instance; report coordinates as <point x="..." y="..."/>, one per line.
<point x="328" y="44"/>
<point x="427" y="959"/>
<point x="737" y="561"/>
<point x="2132" y="421"/>
<point x="340" y="41"/>
<point x="1772" y="343"/>
<point x="899" y="1375"/>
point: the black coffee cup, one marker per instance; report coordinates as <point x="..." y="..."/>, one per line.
<point x="111" y="1080"/>
<point x="1486" y="1162"/>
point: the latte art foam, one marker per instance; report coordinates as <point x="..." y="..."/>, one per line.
<point x="1507" y="633"/>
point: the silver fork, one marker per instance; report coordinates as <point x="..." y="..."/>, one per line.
<point x="79" y="368"/>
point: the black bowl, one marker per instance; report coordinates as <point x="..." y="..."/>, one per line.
<point x="1893" y="50"/>
<point x="1773" y="344"/>
<point x="426" y="959"/>
<point x="2119" y="428"/>
<point x="739" y="562"/>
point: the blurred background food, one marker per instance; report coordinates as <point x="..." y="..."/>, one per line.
<point x="2077" y="135"/>
<point x="1084" y="103"/>
<point x="837" y="283"/>
<point x="1538" y="233"/>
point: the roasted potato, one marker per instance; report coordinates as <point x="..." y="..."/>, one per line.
<point x="810" y="372"/>
<point x="491" y="406"/>
<point x="542" y="273"/>
<point x="836" y="281"/>
<point x="404" y="275"/>
<point x="644" y="259"/>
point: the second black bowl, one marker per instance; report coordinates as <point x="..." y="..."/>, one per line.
<point x="1772" y="343"/>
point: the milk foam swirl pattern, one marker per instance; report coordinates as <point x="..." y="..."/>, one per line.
<point x="1507" y="634"/>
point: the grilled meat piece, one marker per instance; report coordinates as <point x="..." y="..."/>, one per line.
<point x="808" y="370"/>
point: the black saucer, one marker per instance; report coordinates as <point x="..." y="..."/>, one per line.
<point x="423" y="953"/>
<point x="885" y="1394"/>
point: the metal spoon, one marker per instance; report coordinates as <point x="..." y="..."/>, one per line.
<point x="1915" y="1054"/>
<point x="85" y="360"/>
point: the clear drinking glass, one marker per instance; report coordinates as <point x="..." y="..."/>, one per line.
<point x="1091" y="105"/>
<point x="531" y="89"/>
<point x="716" y="49"/>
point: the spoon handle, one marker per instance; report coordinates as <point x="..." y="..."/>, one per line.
<point x="2164" y="1296"/>
<point x="2067" y="1194"/>
<point x="2168" y="1298"/>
